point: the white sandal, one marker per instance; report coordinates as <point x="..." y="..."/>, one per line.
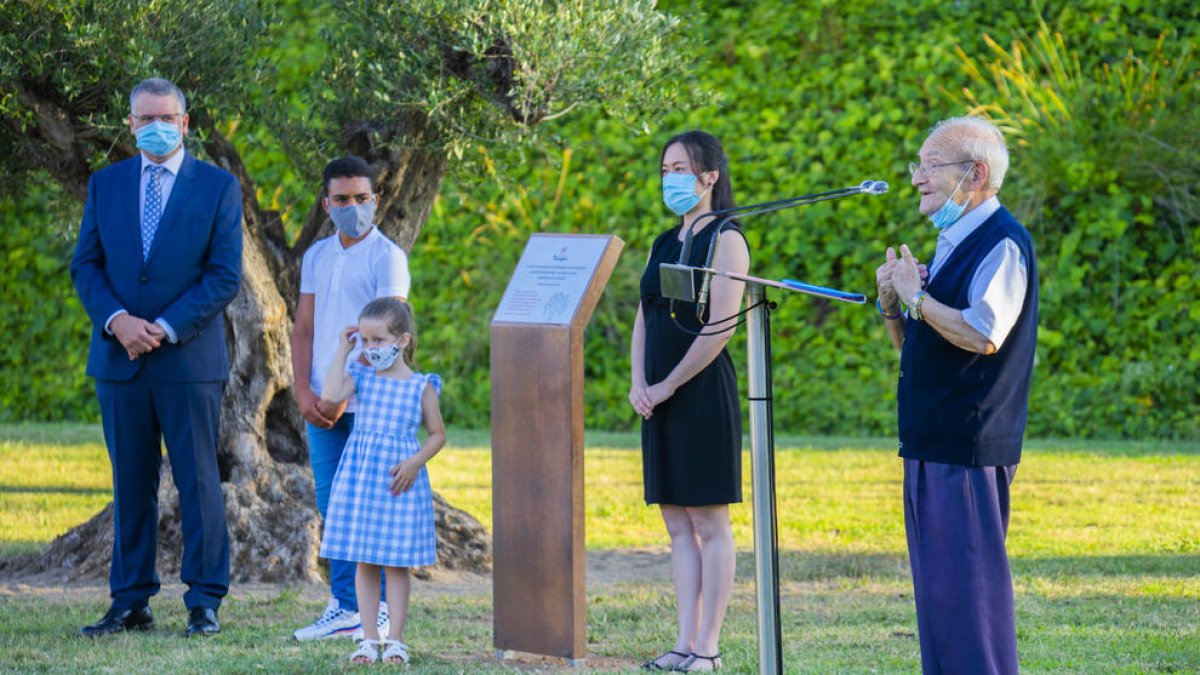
<point x="368" y="652"/>
<point x="393" y="650"/>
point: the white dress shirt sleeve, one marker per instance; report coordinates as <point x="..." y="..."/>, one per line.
<point x="997" y="292"/>
<point x="171" y="336"/>
<point x="108" y="324"/>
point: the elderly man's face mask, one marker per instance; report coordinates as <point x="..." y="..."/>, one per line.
<point x="950" y="212"/>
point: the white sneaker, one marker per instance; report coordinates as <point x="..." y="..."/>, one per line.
<point x="335" y="622"/>
<point x="381" y="623"/>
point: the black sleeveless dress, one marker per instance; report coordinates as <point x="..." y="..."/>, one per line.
<point x="691" y="445"/>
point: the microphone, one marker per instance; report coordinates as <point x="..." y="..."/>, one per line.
<point x="706" y="281"/>
<point x="702" y="296"/>
<point x="873" y="187"/>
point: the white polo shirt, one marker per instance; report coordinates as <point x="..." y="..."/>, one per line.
<point x="342" y="281"/>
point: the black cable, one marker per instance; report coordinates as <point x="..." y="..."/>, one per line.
<point x="701" y="333"/>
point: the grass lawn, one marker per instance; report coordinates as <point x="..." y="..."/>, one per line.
<point x="1104" y="541"/>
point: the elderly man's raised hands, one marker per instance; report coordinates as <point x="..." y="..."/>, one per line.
<point x="908" y="276"/>
<point x="893" y="279"/>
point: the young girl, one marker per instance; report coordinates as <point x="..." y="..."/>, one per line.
<point x="381" y="506"/>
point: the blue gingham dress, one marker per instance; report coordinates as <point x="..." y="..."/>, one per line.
<point x="365" y="522"/>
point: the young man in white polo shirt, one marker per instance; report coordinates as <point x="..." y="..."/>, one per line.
<point x="338" y="277"/>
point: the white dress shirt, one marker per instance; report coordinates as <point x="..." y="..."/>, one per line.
<point x="166" y="180"/>
<point x="997" y="290"/>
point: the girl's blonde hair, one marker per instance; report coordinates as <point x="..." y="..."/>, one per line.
<point x="397" y="316"/>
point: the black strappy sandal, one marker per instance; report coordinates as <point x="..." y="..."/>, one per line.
<point x="686" y="666"/>
<point x="653" y="664"/>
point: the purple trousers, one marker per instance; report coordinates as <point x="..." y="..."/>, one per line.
<point x="956" y="518"/>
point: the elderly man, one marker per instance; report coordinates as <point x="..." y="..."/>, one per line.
<point x="966" y="359"/>
<point x="158" y="259"/>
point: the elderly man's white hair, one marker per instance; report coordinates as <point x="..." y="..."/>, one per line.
<point x="980" y="141"/>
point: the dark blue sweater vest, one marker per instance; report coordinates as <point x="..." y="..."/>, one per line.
<point x="957" y="407"/>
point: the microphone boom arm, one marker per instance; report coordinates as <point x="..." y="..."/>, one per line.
<point x="866" y="187"/>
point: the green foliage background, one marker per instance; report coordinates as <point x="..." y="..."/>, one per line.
<point x="44" y="351"/>
<point x="806" y="97"/>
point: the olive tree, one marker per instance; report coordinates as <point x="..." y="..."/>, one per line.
<point x="405" y="85"/>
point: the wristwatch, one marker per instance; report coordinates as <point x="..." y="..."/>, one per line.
<point x="914" y="306"/>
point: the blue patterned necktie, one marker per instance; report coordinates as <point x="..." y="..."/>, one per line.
<point x="153" y="209"/>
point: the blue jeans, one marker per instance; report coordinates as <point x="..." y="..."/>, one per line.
<point x="325" y="451"/>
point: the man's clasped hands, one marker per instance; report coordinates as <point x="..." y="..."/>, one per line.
<point x="137" y="336"/>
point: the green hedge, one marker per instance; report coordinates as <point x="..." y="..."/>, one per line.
<point x="815" y="97"/>
<point x="46" y="332"/>
<point x="806" y="97"/>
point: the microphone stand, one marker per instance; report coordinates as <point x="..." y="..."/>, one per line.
<point x="677" y="282"/>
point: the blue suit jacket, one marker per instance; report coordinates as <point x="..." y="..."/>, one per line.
<point x="193" y="270"/>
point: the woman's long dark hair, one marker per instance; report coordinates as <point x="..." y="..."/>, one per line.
<point x="706" y="154"/>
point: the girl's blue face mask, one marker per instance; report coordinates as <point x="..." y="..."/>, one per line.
<point x="679" y="192"/>
<point x="950" y="212"/>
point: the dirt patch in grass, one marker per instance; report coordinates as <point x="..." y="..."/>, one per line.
<point x="604" y="569"/>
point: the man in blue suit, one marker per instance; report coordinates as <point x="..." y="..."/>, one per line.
<point x="158" y="259"/>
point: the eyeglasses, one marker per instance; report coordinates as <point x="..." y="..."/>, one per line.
<point x="913" y="167"/>
<point x="169" y="118"/>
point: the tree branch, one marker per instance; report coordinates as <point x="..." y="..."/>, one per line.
<point x="68" y="141"/>
<point x="264" y="226"/>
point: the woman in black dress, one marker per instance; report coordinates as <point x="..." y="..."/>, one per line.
<point x="685" y="389"/>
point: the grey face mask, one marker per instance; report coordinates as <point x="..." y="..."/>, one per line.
<point x="353" y="220"/>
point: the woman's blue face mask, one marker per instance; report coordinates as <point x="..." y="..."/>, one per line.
<point x="679" y="192"/>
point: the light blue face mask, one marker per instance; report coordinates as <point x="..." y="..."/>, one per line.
<point x="950" y="212"/>
<point x="158" y="138"/>
<point x="354" y="220"/>
<point x="679" y="192"/>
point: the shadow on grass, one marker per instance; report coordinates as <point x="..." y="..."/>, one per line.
<point x="52" y="433"/>
<point x="17" y="548"/>
<point x="79" y="433"/>
<point x="50" y="489"/>
<point x="809" y="566"/>
<point x="1146" y="565"/>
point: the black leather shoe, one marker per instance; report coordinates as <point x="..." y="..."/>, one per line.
<point x="120" y="620"/>
<point x="202" y="621"/>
